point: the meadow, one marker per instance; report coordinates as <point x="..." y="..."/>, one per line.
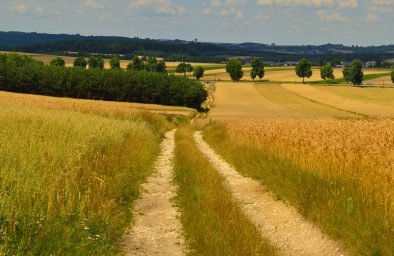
<point x="70" y="171"/>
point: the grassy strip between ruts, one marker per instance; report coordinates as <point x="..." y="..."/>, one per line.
<point x="335" y="204"/>
<point x="68" y="179"/>
<point x="213" y="222"/>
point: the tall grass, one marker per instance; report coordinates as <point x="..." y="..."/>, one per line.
<point x="338" y="174"/>
<point x="213" y="222"/>
<point x="67" y="179"/>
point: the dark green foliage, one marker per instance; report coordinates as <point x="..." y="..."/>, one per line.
<point x="304" y="69"/>
<point x="80" y="62"/>
<point x="184" y="68"/>
<point x="347" y="74"/>
<point x="96" y="63"/>
<point x="257" y="69"/>
<point x="21" y="74"/>
<point x="58" y="62"/>
<point x="357" y="72"/>
<point x="198" y="72"/>
<point x="137" y="64"/>
<point x="392" y="75"/>
<point x="150" y="64"/>
<point x="327" y="72"/>
<point x="114" y="62"/>
<point x="234" y="68"/>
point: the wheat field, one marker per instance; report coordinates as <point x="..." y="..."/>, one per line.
<point x="311" y="148"/>
<point x="70" y="171"/>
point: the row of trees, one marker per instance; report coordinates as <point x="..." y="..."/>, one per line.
<point x="234" y="69"/>
<point x="19" y="73"/>
<point x="184" y="68"/>
<point x="303" y="70"/>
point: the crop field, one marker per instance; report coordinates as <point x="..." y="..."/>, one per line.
<point x="279" y="168"/>
<point x="118" y="109"/>
<point x="70" y="171"/>
<point x="326" y="150"/>
<point x="281" y="74"/>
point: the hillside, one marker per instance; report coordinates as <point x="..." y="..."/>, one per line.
<point x="187" y="50"/>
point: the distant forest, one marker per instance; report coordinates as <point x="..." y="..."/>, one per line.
<point x="178" y="50"/>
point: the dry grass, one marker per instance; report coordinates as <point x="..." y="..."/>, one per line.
<point x="70" y="170"/>
<point x="245" y="100"/>
<point x="379" y="96"/>
<point x="119" y="109"/>
<point x="339" y="174"/>
<point x="299" y="105"/>
<point x="369" y="109"/>
<point x="68" y="179"/>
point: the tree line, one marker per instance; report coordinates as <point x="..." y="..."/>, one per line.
<point x="20" y="73"/>
<point x="303" y="69"/>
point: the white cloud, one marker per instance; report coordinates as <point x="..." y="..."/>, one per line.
<point x="207" y="11"/>
<point x="216" y="3"/>
<point x="382" y="2"/>
<point x="20" y="8"/>
<point x="160" y="6"/>
<point x="93" y="4"/>
<point x="331" y="16"/>
<point x="311" y="3"/>
<point x="372" y="17"/>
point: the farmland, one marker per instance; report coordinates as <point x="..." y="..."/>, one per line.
<point x="326" y="150"/>
<point x="285" y="75"/>
<point x="100" y="177"/>
<point x="71" y="176"/>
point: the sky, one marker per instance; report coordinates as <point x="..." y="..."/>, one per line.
<point x="285" y="22"/>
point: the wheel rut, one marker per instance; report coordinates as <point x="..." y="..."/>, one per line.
<point x="280" y="223"/>
<point x="157" y="229"/>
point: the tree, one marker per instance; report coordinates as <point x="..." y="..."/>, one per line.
<point x="137" y="64"/>
<point x="80" y="62"/>
<point x="114" y="63"/>
<point x="327" y="72"/>
<point x="347" y="74"/>
<point x="304" y="69"/>
<point x="184" y="68"/>
<point x="357" y="72"/>
<point x="257" y="69"/>
<point x="198" y="72"/>
<point x="58" y="62"/>
<point x="392" y="75"/>
<point x="96" y="63"/>
<point x="161" y="67"/>
<point x="234" y="68"/>
<point x="181" y="68"/>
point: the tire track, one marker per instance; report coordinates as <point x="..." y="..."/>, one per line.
<point x="280" y="223"/>
<point x="157" y="229"/>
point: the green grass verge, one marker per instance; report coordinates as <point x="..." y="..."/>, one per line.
<point x="333" y="204"/>
<point x="343" y="81"/>
<point x="213" y="222"/>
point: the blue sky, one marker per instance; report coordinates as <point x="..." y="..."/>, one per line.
<point x="358" y="22"/>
